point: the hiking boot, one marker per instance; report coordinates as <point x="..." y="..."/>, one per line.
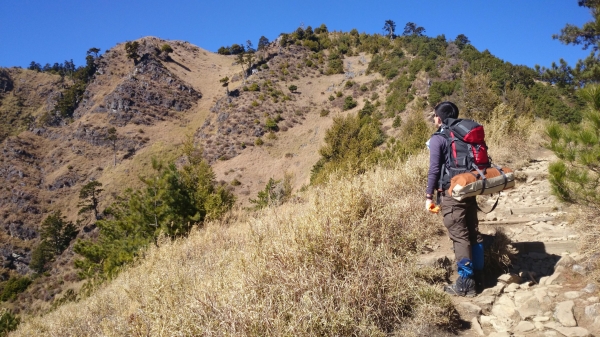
<point x="462" y="287"/>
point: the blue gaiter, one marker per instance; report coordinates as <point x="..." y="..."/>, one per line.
<point x="477" y="252"/>
<point x="465" y="268"/>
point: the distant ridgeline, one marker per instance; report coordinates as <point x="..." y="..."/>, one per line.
<point x="549" y="91"/>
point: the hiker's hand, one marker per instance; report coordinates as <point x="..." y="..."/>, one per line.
<point x="431" y="207"/>
<point x="428" y="203"/>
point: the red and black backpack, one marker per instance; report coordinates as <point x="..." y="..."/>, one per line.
<point x="467" y="150"/>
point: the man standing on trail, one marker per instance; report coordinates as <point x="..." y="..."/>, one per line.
<point x="460" y="217"/>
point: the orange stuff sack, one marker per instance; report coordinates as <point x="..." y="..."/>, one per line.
<point x="470" y="184"/>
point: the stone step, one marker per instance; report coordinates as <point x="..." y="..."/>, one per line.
<point x="533" y="210"/>
<point x="515" y="221"/>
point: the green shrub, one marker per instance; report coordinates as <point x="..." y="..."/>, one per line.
<point x="440" y="90"/>
<point x="258" y="142"/>
<point x="254" y="87"/>
<point x="271" y="124"/>
<point x="13" y="287"/>
<point x="41" y="255"/>
<point x="350" y="147"/>
<point x="349" y="103"/>
<point x="349" y="84"/>
<point x="166" y="48"/>
<point x="397" y="122"/>
<point x="8" y="322"/>
<point x="415" y="132"/>
<point x="331" y="98"/>
<point x="169" y="203"/>
<point x="235" y="182"/>
<point x="276" y="192"/>
<point x="335" y="64"/>
<point x="324" y="113"/>
<point x="339" y="94"/>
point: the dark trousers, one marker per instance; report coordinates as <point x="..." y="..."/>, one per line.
<point x="460" y="218"/>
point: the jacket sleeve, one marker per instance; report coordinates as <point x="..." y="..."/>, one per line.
<point x="436" y="161"/>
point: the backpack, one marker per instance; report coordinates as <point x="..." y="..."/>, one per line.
<point x="467" y="150"/>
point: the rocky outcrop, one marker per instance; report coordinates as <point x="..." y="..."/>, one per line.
<point x="150" y="93"/>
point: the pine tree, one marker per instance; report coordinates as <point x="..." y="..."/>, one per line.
<point x="89" y="195"/>
<point x="576" y="176"/>
<point x="57" y="233"/>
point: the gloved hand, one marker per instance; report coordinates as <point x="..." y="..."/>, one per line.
<point x="431" y="207"/>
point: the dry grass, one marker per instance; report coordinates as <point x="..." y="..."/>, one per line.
<point x="587" y="224"/>
<point x="512" y="140"/>
<point x="338" y="261"/>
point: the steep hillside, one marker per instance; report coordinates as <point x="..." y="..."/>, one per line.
<point x="269" y="122"/>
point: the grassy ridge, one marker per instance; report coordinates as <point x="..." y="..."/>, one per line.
<point x="339" y="261"/>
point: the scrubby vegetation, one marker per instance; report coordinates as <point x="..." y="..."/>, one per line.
<point x="170" y="204"/>
<point x="348" y="247"/>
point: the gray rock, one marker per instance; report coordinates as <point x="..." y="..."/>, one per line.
<point x="553" y="279"/>
<point x="590" y="288"/>
<point x="565" y="261"/>
<point x="593" y="299"/>
<point x="468" y="310"/>
<point x="541" y="319"/>
<point x="543" y="227"/>
<point x="511" y="288"/>
<point x="523" y="326"/>
<point x="475" y="326"/>
<point x="499" y="334"/>
<point x="502" y="324"/>
<point x="522" y="296"/>
<point x="579" y="269"/>
<point x="485" y="303"/>
<point x="486" y="320"/>
<point x="593" y="312"/>
<point x="564" y="313"/>
<point x="509" y="278"/>
<point x="530" y="308"/>
<point x="571" y="295"/>
<point x="573" y="332"/>
<point x="526" y="285"/>
<point x="539" y="325"/>
<point x="505" y="311"/>
<point x="495" y="291"/>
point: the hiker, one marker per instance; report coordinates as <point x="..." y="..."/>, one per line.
<point x="459" y="217"/>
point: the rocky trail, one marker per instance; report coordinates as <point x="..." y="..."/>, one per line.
<point x="544" y="292"/>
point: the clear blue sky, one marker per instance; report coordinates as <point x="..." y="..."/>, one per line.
<point x="48" y="31"/>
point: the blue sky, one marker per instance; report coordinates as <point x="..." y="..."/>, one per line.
<point x="48" y="31"/>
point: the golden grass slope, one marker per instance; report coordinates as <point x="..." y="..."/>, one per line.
<point x="338" y="261"/>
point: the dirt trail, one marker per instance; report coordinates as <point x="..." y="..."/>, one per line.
<point x="544" y="293"/>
